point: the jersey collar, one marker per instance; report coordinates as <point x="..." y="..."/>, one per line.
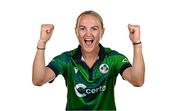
<point x="78" y="55"/>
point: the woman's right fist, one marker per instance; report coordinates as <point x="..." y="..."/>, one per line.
<point x="46" y="32"/>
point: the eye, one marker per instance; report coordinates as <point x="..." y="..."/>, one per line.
<point x="81" y="28"/>
<point x="94" y="28"/>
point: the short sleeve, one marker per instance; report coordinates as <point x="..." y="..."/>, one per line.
<point x="58" y="64"/>
<point x="121" y="62"/>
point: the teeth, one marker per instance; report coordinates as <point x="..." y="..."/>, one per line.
<point x="88" y="39"/>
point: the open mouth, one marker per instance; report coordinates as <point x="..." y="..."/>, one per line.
<point x="88" y="41"/>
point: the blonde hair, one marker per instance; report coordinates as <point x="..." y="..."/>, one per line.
<point x="90" y="12"/>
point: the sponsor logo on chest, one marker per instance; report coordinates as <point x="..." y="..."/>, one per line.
<point x="82" y="90"/>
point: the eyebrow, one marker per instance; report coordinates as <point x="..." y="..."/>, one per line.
<point x="92" y="26"/>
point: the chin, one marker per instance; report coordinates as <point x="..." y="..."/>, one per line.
<point x="88" y="49"/>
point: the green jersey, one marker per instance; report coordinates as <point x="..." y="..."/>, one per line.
<point x="90" y="88"/>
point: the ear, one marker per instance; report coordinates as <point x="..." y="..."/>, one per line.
<point x="76" y="31"/>
<point x="102" y="33"/>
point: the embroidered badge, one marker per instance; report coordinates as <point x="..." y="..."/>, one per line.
<point x="104" y="68"/>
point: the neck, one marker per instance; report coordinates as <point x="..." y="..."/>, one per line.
<point x="90" y="57"/>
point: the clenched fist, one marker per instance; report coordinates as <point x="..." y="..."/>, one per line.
<point x="46" y="32"/>
<point x="134" y="33"/>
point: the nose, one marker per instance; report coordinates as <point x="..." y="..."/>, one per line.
<point x="88" y="33"/>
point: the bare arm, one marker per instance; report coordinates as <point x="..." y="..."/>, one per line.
<point x="135" y="74"/>
<point x="40" y="73"/>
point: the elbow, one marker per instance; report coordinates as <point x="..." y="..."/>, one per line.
<point x="36" y="83"/>
<point x="138" y="83"/>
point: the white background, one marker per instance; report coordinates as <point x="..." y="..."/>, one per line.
<point x="20" y="22"/>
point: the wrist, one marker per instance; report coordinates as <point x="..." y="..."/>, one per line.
<point x="41" y="45"/>
<point x="136" y="43"/>
<point x="39" y="48"/>
<point x="139" y="46"/>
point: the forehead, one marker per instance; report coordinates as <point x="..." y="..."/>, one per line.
<point x="89" y="20"/>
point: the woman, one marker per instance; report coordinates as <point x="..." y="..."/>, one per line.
<point x="90" y="70"/>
